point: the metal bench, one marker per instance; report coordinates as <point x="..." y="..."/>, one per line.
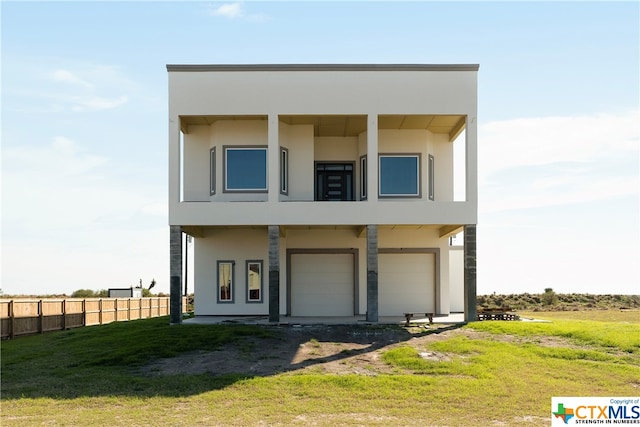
<point x="497" y="315"/>
<point x="409" y="316"/>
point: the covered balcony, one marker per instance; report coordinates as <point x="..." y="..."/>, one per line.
<point x="290" y="162"/>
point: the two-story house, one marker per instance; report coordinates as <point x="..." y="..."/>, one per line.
<point x="322" y="190"/>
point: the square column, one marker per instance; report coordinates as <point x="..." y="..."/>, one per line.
<point x="470" y="297"/>
<point x="273" y="158"/>
<point x="175" y="268"/>
<point x="274" y="273"/>
<point x="471" y="159"/>
<point x="372" y="273"/>
<point x="372" y="158"/>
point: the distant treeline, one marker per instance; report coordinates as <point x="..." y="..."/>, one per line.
<point x="81" y="293"/>
<point x="551" y="301"/>
<point x="547" y="301"/>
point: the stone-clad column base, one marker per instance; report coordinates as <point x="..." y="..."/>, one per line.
<point x="372" y="273"/>
<point x="175" y="268"/>
<point x="274" y="273"/>
<point x="470" y="297"/>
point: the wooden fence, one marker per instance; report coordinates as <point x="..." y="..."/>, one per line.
<point x="33" y="316"/>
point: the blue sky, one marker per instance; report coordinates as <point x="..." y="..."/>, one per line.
<point x="84" y="127"/>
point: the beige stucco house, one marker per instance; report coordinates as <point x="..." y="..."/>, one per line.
<point x="322" y="190"/>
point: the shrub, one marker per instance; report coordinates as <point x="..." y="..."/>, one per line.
<point x="549" y="297"/>
<point x="83" y="293"/>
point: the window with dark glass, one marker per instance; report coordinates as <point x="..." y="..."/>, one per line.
<point x="284" y="171"/>
<point x="399" y="175"/>
<point x="245" y="169"/>
<point x="334" y="181"/>
<point x="363" y="178"/>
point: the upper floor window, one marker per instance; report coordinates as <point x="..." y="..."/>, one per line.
<point x="432" y="189"/>
<point x="212" y="171"/>
<point x="363" y="177"/>
<point x="245" y="169"/>
<point x="284" y="171"/>
<point x="399" y="175"/>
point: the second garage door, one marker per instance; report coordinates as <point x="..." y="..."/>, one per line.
<point x="322" y="284"/>
<point x="406" y="283"/>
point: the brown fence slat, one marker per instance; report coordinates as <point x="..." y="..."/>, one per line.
<point x="29" y="316"/>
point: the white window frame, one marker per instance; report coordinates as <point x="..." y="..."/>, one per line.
<point x="232" y="284"/>
<point x="417" y="156"/>
<point x="260" y="264"/>
<point x="228" y="148"/>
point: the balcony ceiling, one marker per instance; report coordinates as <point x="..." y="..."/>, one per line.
<point x="445" y="230"/>
<point x="451" y="125"/>
<point x="186" y="121"/>
<point x="349" y="125"/>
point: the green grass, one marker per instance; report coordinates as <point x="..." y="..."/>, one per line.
<point x="506" y="376"/>
<point x="98" y="360"/>
<point x="609" y="335"/>
<point x="618" y="316"/>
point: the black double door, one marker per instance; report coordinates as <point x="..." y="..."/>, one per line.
<point x="334" y="181"/>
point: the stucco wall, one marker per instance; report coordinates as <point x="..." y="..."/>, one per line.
<point x="303" y="151"/>
<point x="240" y="245"/>
<point x="271" y="93"/>
<point x="456" y="279"/>
<point x="196" y="146"/>
<point x="298" y="140"/>
<point x="442" y="150"/>
<point x="332" y="92"/>
<point x="229" y="245"/>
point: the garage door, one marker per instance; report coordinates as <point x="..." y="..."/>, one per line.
<point x="322" y="285"/>
<point x="406" y="283"/>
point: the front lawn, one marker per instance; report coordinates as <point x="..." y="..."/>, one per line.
<point x="485" y="373"/>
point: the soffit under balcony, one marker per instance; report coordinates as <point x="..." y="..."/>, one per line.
<point x="330" y="125"/>
<point x="359" y="230"/>
<point x="444" y="230"/>
<point x="451" y="125"/>
<point x="348" y="125"/>
<point x="344" y="125"/>
<point x="186" y="121"/>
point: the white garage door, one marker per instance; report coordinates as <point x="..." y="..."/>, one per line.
<point x="322" y="284"/>
<point x="406" y="283"/>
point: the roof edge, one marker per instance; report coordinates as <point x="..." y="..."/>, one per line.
<point x="321" y="67"/>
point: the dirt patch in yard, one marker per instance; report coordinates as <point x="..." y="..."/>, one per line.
<point x="322" y="349"/>
<point x="328" y="349"/>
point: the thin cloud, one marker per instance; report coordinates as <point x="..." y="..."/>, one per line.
<point x="538" y="141"/>
<point x="76" y="187"/>
<point x="66" y="88"/>
<point x="61" y="157"/>
<point x="98" y="103"/>
<point x="236" y="11"/>
<point x="64" y="102"/>
<point x="538" y="162"/>
<point x="580" y="190"/>
<point x="67" y="208"/>
<point x="228" y="10"/>
<point x="66" y="76"/>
